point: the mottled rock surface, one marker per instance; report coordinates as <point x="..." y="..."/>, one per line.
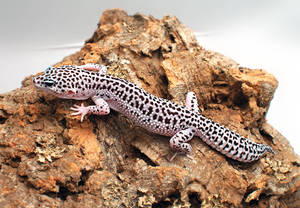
<point x="50" y="159"/>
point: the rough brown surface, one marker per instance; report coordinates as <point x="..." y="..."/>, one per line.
<point x="50" y="159"/>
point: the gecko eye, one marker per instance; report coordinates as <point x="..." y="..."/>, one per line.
<point x="49" y="82"/>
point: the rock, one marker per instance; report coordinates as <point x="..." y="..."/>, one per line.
<point x="50" y="158"/>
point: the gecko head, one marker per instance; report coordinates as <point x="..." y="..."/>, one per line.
<point x="64" y="82"/>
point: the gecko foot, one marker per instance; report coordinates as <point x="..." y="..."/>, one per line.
<point x="80" y="110"/>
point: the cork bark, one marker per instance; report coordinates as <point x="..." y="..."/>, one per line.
<point x="50" y="159"/>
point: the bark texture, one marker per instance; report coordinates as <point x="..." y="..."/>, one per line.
<point x="50" y="159"/>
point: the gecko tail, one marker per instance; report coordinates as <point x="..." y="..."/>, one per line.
<point x="268" y="148"/>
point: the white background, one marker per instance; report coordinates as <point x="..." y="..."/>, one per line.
<point x="265" y="34"/>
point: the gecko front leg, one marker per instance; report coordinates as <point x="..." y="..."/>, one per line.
<point x="101" y="108"/>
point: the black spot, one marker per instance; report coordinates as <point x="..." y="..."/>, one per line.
<point x="250" y="149"/>
<point x="163" y="111"/>
<point x="146" y="101"/>
<point x="150" y="110"/>
<point x="226" y="146"/>
<point x="241" y="155"/>
<point x="137" y="104"/>
<point x="154" y="116"/>
<point x="141" y="106"/>
<point x="167" y="120"/>
<point x="124" y="97"/>
<point x="121" y="92"/>
<point x="130" y="98"/>
<point x="142" y="97"/>
<point x="174" y="122"/>
<point x="160" y="118"/>
<point x="247" y="155"/>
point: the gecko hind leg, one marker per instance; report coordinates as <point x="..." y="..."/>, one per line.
<point x="179" y="144"/>
<point x="94" y="67"/>
<point x="191" y="102"/>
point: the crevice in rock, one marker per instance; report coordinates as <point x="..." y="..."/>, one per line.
<point x="85" y="174"/>
<point x="254" y="202"/>
<point x="15" y="161"/>
<point x="295" y="163"/>
<point x="162" y="204"/>
<point x="240" y="100"/>
<point x="237" y="97"/>
<point x="265" y="134"/>
<point x="3" y="116"/>
<point x="63" y="123"/>
<point x="172" y="38"/>
<point x="168" y="201"/>
<point x="142" y="156"/>
<point x="194" y="200"/>
<point x="165" y="80"/>
<point x="2" y="119"/>
<point x="143" y="80"/>
<point x="63" y="192"/>
<point x="249" y="191"/>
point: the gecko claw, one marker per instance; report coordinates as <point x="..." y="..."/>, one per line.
<point x="172" y="158"/>
<point x="187" y="155"/>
